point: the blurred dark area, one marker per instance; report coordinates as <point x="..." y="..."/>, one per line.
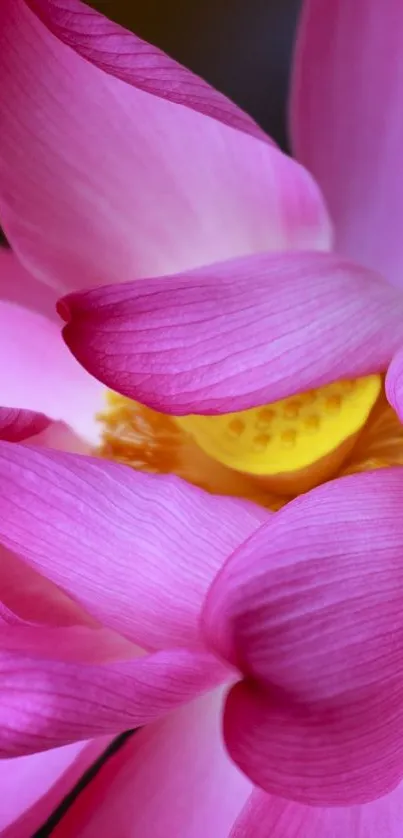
<point x="242" y="47"/>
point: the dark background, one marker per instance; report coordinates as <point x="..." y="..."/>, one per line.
<point x="242" y="47"/>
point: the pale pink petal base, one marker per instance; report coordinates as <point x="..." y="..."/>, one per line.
<point x="61" y="437"/>
<point x="172" y="778"/>
<point x="41" y="376"/>
<point x="32" y="786"/>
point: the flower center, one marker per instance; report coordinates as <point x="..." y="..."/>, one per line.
<point x="292" y="444"/>
<point x="269" y="454"/>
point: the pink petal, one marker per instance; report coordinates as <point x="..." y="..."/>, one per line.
<point x="394" y="384"/>
<point x="103" y="180"/>
<point x="41" y="376"/>
<point x="33" y="786"/>
<point x="237" y="333"/>
<point x="28" y="597"/>
<point x="137" y="551"/>
<point x="265" y="816"/>
<point x="60" y="436"/>
<point x="19" y="286"/>
<point x="348" y="123"/>
<point x="47" y="703"/>
<point x="120" y="53"/>
<point x="17" y="425"/>
<point x="310" y="609"/>
<point x="76" y="644"/>
<point x="172" y="778"/>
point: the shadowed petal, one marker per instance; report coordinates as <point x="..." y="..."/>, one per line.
<point x="137" y="551"/>
<point x="394" y="383"/>
<point x="310" y="608"/>
<point x="196" y="791"/>
<point x="69" y="701"/>
<point x="347" y="123"/>
<point x="236" y="334"/>
<point x="17" y="425"/>
<point x="104" y="179"/>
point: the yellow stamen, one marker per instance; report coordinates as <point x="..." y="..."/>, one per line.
<point x="149" y="441"/>
<point x="152" y="442"/>
<point x="292" y="444"/>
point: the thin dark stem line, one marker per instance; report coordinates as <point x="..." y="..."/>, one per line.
<point x="54" y="819"/>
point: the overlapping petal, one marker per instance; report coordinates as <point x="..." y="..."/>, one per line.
<point x="74" y="643"/>
<point x="310" y="609"/>
<point x="70" y="702"/>
<point x="137" y="551"/>
<point x="347" y="123"/>
<point x="394" y="383"/>
<point x="39" y="375"/>
<point x="102" y="181"/>
<point x="171" y="778"/>
<point x="26" y="597"/>
<point x="18" y="286"/>
<point x="237" y="333"/>
<point x="122" y="54"/>
<point x="18" y="425"/>
<point x="32" y="787"/>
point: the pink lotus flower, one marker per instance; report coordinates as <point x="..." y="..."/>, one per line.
<point x="115" y="164"/>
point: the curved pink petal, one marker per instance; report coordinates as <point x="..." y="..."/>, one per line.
<point x="137" y="551"/>
<point x="122" y="54"/>
<point x="172" y="778"/>
<point x="17" y="285"/>
<point x="28" y="597"/>
<point x="394" y="383"/>
<point x="76" y="643"/>
<point x="347" y="123"/>
<point x="17" y="425"/>
<point x="102" y="181"/>
<point x="32" y="786"/>
<point x="41" y="376"/>
<point x="69" y="702"/>
<point x="237" y="333"/>
<point x="265" y="816"/>
<point x="310" y="608"/>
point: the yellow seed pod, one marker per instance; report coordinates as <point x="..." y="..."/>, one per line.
<point x="292" y="444"/>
